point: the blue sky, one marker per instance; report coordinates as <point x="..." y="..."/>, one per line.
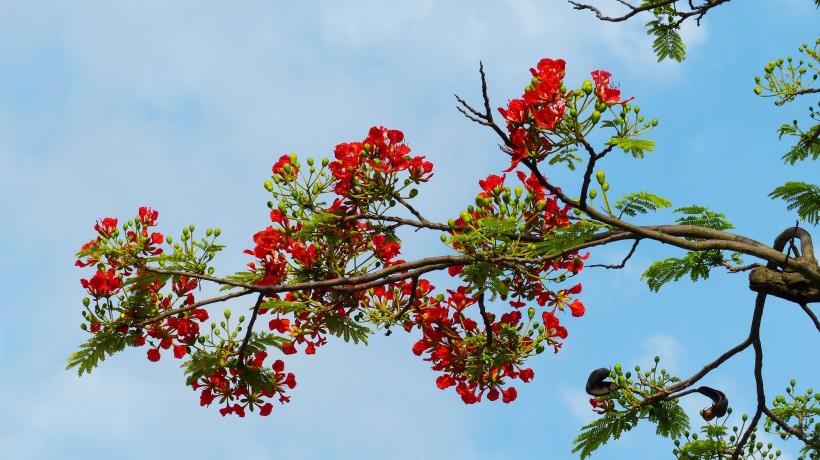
<point x="184" y="106"/>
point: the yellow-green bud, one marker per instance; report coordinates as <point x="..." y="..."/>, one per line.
<point x="592" y="194"/>
<point x="268" y="185"/>
<point x="600" y="176"/>
<point x="587" y="87"/>
<point x="596" y="115"/>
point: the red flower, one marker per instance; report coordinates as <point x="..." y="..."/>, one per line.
<point x="445" y="381"/>
<point x="509" y="395"/>
<point x="180" y="351"/>
<point x="102" y="284"/>
<point x="577" y="308"/>
<point x="148" y="216"/>
<point x="490" y="184"/>
<point x="607" y="93"/>
<point x="265" y="409"/>
<point x="106" y="227"/>
<point x="280" y="324"/>
<point x="153" y="354"/>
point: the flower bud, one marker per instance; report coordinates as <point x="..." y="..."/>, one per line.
<point x="227" y="314"/>
<point x="466" y="217"/>
<point x="586" y="87"/>
<point x="592" y="194"/>
<point x="413" y="193"/>
<point x="268" y="185"/>
<point x="325" y="162"/>
<point x="86" y="302"/>
<point x="443" y="238"/>
<point x="600" y="176"/>
<point x="605" y="186"/>
<point x="531" y="313"/>
<point x="310" y="161"/>
<point x="596" y="115"/>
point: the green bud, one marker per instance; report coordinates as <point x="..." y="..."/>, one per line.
<point x="413" y="193"/>
<point x="325" y="162"/>
<point x="573" y="113"/>
<point x="618" y="369"/>
<point x="86" y="302"/>
<point x="605" y="186"/>
<point x="84" y="326"/>
<point x="600" y="176"/>
<point x="757" y="90"/>
<point x="539" y="349"/>
<point x="587" y="87"/>
<point x="451" y="223"/>
<point x="596" y="115"/>
<point x="209" y="232"/>
<point x="637" y="109"/>
<point x="592" y="194"/>
<point x="310" y="161"/>
<point x="283" y="206"/>
<point x="168" y="239"/>
<point x="268" y="185"/>
<point x="443" y="238"/>
<point x="227" y="314"/>
<point x="541" y="205"/>
<point x="519" y="191"/>
<point x="534" y="81"/>
<point x="466" y="217"/>
<point x="531" y="313"/>
<point x="654" y="122"/>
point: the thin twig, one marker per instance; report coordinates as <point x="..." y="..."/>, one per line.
<point x="811" y="314"/>
<point x="241" y="353"/>
<point x="487" y="325"/>
<point x="410" y="302"/>
<point x="741" y="268"/>
<point x="623" y="262"/>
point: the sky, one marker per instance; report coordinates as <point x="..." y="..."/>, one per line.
<point x="184" y="106"/>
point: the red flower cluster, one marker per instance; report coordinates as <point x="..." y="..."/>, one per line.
<point x="103" y="283"/>
<point x="224" y="384"/>
<point x="365" y="171"/>
<point x="540" y="109"/>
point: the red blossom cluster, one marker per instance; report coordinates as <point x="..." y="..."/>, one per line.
<point x="226" y="385"/>
<point x="364" y="170"/>
<point x="476" y="348"/>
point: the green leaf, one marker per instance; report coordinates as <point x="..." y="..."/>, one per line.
<point x="240" y="277"/>
<point x="563" y="239"/>
<point x="641" y="203"/>
<point x="805" y="198"/>
<point x="283" y="306"/>
<point x="695" y="264"/>
<point x="635" y="147"/>
<point x="671" y="419"/>
<point x="347" y="328"/>
<point x="701" y="216"/>
<point x="668" y="42"/>
<point x="808" y="143"/>
<point x="95" y="350"/>
<point x="611" y="426"/>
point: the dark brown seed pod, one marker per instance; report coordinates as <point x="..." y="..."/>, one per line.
<point x="597" y="386"/>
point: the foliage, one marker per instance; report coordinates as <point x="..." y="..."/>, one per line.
<point x="805" y="198"/>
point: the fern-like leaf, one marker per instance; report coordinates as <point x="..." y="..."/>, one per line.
<point x="668" y="42"/>
<point x="564" y="239"/>
<point x="808" y="143"/>
<point x="95" y="350"/>
<point x="671" y="419"/>
<point x="805" y="198"/>
<point x="694" y="264"/>
<point x="636" y="147"/>
<point x="701" y="216"/>
<point x="641" y="203"/>
<point x="611" y="426"/>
